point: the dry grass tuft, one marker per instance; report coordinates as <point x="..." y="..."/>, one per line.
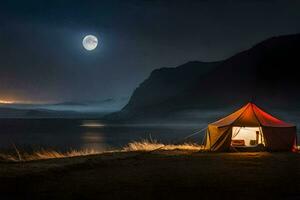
<point x="143" y="145"/>
<point x="46" y="154"/>
<point x="146" y="145"/>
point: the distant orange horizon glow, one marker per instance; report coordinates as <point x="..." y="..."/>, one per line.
<point x="10" y="101"/>
<point x="6" y="101"/>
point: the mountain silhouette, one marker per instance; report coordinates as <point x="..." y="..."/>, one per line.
<point x="266" y="74"/>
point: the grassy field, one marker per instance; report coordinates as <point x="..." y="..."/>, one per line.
<point x="176" y="174"/>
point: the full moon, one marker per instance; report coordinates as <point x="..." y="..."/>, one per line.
<point x="90" y="42"/>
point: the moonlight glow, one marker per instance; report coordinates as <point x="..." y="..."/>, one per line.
<point x="90" y="42"/>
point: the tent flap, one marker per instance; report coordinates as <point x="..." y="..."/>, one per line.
<point x="219" y="138"/>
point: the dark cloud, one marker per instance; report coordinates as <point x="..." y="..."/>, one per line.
<point x="41" y="57"/>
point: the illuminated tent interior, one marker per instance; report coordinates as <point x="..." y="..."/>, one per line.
<point x="250" y="127"/>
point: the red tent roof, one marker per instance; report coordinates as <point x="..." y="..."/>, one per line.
<point x="251" y="115"/>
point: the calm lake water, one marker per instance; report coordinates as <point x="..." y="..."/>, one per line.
<point x="66" y="134"/>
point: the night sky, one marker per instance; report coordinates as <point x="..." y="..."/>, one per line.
<point x="42" y="58"/>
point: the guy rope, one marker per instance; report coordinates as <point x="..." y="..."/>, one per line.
<point x="183" y="139"/>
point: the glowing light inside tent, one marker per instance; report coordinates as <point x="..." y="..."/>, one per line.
<point x="250" y="135"/>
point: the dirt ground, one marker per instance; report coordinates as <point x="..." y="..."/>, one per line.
<point x="158" y="175"/>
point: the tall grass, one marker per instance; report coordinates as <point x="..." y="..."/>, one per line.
<point x="143" y="145"/>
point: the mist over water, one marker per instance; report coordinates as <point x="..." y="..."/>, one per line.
<point x="96" y="106"/>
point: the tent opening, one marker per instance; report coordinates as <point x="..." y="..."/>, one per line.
<point x="246" y="136"/>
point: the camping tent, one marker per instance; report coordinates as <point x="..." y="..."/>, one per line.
<point x="252" y="124"/>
